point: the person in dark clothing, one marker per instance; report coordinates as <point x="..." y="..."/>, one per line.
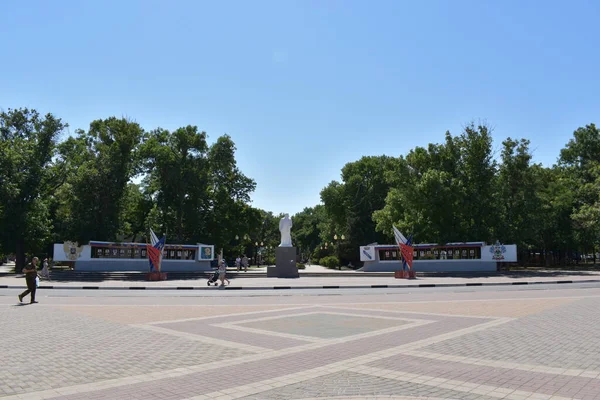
<point x="30" y="275"/>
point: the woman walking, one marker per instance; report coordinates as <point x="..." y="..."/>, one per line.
<point x="45" y="271"/>
<point x="223" y="273"/>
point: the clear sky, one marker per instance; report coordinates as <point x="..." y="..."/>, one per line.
<point x="303" y="87"/>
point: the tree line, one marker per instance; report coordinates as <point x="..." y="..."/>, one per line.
<point x="82" y="188"/>
<point x="115" y="181"/>
<point x="461" y="190"/>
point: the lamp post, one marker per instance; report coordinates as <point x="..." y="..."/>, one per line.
<point x="245" y="243"/>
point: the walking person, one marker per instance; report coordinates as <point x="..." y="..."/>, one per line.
<point x="238" y="263"/>
<point x="45" y="271"/>
<point x="223" y="273"/>
<point x="30" y="277"/>
<point x="245" y="263"/>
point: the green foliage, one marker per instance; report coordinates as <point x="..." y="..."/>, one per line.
<point x="177" y="182"/>
<point x="101" y="163"/>
<point x="330" y="262"/>
<point x="29" y="174"/>
<point x="518" y="200"/>
<point x="445" y="192"/>
<point x="228" y="195"/>
<point x="83" y="188"/>
<point x="580" y="161"/>
<point x="349" y="205"/>
<point x="269" y="260"/>
<point x="300" y="266"/>
<point x="307" y="228"/>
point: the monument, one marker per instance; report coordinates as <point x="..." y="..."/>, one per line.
<point x="285" y="254"/>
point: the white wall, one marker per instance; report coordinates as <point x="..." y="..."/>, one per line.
<point x="81" y="253"/>
<point x="367" y="253"/>
<point x="509" y="254"/>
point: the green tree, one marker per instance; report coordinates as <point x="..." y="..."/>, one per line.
<point x="426" y="194"/>
<point x="28" y="174"/>
<point x="554" y="223"/>
<point x="229" y="194"/>
<point x="137" y="205"/>
<point x="518" y="201"/>
<point x="581" y="162"/>
<point x="306" y="234"/>
<point x="103" y="161"/>
<point x="349" y="206"/>
<point x="177" y="179"/>
<point x="477" y="173"/>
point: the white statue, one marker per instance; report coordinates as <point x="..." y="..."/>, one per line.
<point x="285" y="225"/>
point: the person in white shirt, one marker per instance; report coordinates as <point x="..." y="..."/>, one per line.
<point x="238" y="262"/>
<point x="45" y="271"/>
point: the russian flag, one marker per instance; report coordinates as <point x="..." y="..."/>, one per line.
<point x="406" y="248"/>
<point x="155" y="251"/>
<point x="407" y="253"/>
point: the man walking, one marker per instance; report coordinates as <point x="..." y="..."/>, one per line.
<point x="30" y="275"/>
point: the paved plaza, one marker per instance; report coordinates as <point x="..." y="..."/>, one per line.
<point x="421" y="344"/>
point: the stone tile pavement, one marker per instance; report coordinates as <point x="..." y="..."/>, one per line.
<point x="518" y="345"/>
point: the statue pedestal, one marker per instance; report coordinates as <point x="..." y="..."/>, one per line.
<point x="156" y="276"/>
<point x="285" y="260"/>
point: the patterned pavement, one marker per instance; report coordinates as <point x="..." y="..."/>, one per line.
<point x="475" y="346"/>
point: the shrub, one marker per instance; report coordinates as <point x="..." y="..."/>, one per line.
<point x="300" y="266"/>
<point x="270" y="260"/>
<point x="330" y="262"/>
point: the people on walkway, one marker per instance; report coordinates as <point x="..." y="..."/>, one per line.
<point x="223" y="273"/>
<point x="238" y="263"/>
<point x="30" y="277"/>
<point x="45" y="271"/>
<point x="245" y="263"/>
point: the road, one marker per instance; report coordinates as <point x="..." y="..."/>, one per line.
<point x="512" y="342"/>
<point x="7" y="295"/>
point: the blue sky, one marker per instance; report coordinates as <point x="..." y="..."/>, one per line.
<point x="303" y="87"/>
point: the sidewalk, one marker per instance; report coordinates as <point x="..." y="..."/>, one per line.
<point x="327" y="282"/>
<point x="7" y="268"/>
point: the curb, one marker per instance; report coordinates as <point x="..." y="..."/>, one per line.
<point x="421" y="285"/>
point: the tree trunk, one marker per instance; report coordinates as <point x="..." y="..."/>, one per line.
<point x="20" y="255"/>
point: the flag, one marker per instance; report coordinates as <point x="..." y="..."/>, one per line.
<point x="406" y="249"/>
<point x="400" y="239"/>
<point x="155" y="251"/>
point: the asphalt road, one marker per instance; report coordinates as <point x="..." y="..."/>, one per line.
<point x="7" y="295"/>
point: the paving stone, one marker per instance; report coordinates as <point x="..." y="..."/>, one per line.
<point x="51" y="348"/>
<point x="325" y="325"/>
<point x="75" y="348"/>
<point x="506" y="379"/>
<point x="564" y="337"/>
<point x="347" y="383"/>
